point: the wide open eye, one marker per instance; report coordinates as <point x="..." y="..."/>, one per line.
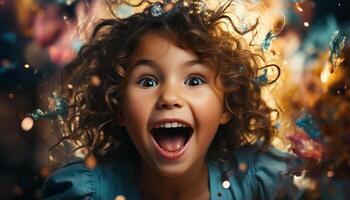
<point x="147" y="82"/>
<point x="194" y="81"/>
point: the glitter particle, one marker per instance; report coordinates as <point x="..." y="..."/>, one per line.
<point x="27" y="123"/>
<point x="243" y="166"/>
<point x="90" y="162"/>
<point x="26" y="66"/>
<point x="336" y="46"/>
<point x="120" y="197"/>
<point x="70" y="86"/>
<point x="306" y="24"/>
<point x="325" y="75"/>
<point x="156" y="10"/>
<point x="45" y="172"/>
<point x="299" y="8"/>
<point x="226" y="184"/>
<point x="95" y="80"/>
<point x="330" y="174"/>
<point x="11" y="95"/>
<point x="51" y="158"/>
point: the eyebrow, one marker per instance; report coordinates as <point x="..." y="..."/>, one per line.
<point x="151" y="63"/>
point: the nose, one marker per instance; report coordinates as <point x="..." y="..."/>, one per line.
<point x="170" y="97"/>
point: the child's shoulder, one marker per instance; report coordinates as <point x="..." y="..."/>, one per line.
<point x="268" y="173"/>
<point x="257" y="156"/>
<point x="76" y="181"/>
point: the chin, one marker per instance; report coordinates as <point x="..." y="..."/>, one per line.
<point x="172" y="170"/>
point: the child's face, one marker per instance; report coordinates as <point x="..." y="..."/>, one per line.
<point x="169" y="84"/>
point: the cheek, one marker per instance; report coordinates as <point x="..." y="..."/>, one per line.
<point x="136" y="109"/>
<point x="208" y="110"/>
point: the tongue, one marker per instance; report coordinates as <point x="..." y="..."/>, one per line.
<point x="172" y="143"/>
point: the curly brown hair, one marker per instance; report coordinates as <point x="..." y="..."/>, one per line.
<point x="91" y="121"/>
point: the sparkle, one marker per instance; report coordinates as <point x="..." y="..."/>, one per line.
<point x="226" y="184"/>
<point x="11" y="95"/>
<point x="26" y="66"/>
<point x="58" y="109"/>
<point x="330" y="174"/>
<point x="51" y="158"/>
<point x="70" y="86"/>
<point x="299" y="8"/>
<point x="120" y="197"/>
<point x="306" y="24"/>
<point x="156" y="10"/>
<point x="243" y="166"/>
<point x="27" y="123"/>
<point x="262" y="79"/>
<point x="44" y="172"/>
<point x="309" y="125"/>
<point x="69" y="2"/>
<point x="95" y="80"/>
<point x="325" y="75"/>
<point x="312" y="185"/>
<point x="66" y="19"/>
<point x="335" y="47"/>
<point x="90" y="162"/>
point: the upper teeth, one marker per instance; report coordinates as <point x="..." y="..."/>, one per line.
<point x="171" y="125"/>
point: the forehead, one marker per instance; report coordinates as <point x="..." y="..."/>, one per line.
<point x="158" y="45"/>
<point x="163" y="48"/>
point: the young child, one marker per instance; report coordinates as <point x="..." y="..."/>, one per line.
<point x="166" y="101"/>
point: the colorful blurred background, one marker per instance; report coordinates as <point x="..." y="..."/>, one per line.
<point x="308" y="39"/>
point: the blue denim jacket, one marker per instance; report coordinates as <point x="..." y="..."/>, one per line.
<point x="266" y="177"/>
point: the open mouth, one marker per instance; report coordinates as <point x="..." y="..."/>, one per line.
<point x="172" y="139"/>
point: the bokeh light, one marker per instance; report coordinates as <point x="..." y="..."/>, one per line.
<point x="27" y="123"/>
